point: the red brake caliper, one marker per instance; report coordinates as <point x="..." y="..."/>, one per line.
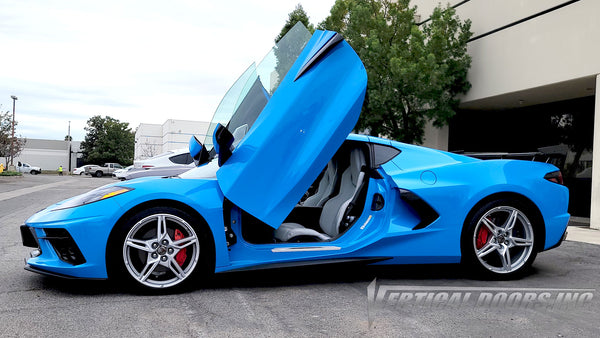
<point x="482" y="237"/>
<point x="181" y="255"/>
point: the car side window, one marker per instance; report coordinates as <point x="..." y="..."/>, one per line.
<point x="181" y="158"/>
<point x="380" y="154"/>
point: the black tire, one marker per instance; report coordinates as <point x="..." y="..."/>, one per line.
<point x="492" y="248"/>
<point x="34" y="172"/>
<point x="159" y="267"/>
<point x="81" y="173"/>
<point x="98" y="173"/>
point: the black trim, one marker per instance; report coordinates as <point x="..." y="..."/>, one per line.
<point x="382" y="153"/>
<point x="427" y="214"/>
<point x="224" y="140"/>
<point x="202" y="156"/>
<point x="378" y="202"/>
<point x="64" y="245"/>
<point x="230" y="236"/>
<point x="28" y="238"/>
<point x="533" y="16"/>
<point x="59" y="275"/>
<point x="333" y="41"/>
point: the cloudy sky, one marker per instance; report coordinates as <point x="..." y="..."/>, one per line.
<point x="139" y="61"/>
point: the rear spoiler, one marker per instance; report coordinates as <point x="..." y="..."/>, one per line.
<point x="553" y="154"/>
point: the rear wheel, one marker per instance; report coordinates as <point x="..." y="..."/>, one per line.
<point x="98" y="173"/>
<point x="159" y="248"/>
<point x="499" y="240"/>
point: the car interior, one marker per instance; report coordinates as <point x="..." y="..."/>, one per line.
<point x="329" y="207"/>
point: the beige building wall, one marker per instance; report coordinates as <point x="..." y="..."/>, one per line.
<point x="528" y="52"/>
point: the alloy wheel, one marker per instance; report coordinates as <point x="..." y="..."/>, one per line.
<point x="161" y="250"/>
<point x="503" y="239"/>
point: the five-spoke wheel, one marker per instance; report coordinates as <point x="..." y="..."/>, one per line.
<point x="158" y="248"/>
<point x="499" y="239"/>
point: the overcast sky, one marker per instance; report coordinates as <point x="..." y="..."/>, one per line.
<point x="137" y="61"/>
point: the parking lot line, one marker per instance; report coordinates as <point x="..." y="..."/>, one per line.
<point x="25" y="191"/>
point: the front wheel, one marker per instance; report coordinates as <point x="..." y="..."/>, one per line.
<point x="159" y="248"/>
<point x="499" y="240"/>
<point x="34" y="172"/>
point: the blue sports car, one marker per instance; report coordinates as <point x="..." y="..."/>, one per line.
<point x="282" y="182"/>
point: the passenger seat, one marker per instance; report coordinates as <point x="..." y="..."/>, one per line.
<point x="325" y="188"/>
<point x="334" y="209"/>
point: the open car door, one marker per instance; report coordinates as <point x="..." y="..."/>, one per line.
<point x="301" y="127"/>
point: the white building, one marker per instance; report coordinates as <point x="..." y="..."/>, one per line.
<point x="154" y="139"/>
<point x="49" y="154"/>
<point x="533" y="62"/>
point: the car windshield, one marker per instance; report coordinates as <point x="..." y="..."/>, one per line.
<point x="244" y="101"/>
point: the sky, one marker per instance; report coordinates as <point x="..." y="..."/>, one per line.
<point x="136" y="61"/>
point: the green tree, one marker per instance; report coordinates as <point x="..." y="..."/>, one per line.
<point x="6" y="139"/>
<point x="285" y="52"/>
<point x="108" y="140"/>
<point x="295" y="16"/>
<point x="415" y="72"/>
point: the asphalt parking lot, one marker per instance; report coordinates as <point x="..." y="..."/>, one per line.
<point x="339" y="300"/>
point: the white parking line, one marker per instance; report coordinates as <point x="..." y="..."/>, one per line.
<point x="25" y="191"/>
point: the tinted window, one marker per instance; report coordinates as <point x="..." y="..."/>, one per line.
<point x="181" y="158"/>
<point x="382" y="154"/>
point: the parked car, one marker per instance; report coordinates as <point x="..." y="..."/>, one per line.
<point x="81" y="170"/>
<point x="168" y="158"/>
<point x="373" y="200"/>
<point x="120" y="173"/>
<point x="106" y="169"/>
<point x="168" y="171"/>
<point x="23" y="167"/>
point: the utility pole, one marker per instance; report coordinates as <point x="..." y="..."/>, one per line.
<point x="12" y="140"/>
<point x="69" y="139"/>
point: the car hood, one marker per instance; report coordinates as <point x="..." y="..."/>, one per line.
<point x="301" y="127"/>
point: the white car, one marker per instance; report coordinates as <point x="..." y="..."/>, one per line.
<point x="81" y="170"/>
<point x="169" y="158"/>
<point x="23" y="167"/>
<point x="120" y="173"/>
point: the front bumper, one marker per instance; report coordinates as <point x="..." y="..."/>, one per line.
<point x="70" y="242"/>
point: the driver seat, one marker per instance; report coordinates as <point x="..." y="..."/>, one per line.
<point x="335" y="209"/>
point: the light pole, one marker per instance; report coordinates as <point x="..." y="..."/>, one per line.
<point x="12" y="140"/>
<point x="69" y="139"/>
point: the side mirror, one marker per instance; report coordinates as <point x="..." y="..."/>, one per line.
<point x="198" y="151"/>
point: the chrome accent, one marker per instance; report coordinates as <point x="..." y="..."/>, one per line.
<point x="366" y="222"/>
<point x="306" y="248"/>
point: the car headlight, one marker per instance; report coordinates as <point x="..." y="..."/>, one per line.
<point x="95" y="195"/>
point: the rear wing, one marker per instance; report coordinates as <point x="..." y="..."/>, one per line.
<point x="555" y="155"/>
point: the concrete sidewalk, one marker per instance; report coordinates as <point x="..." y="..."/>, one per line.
<point x="583" y="234"/>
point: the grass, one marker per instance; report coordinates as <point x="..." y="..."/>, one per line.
<point x="10" y="173"/>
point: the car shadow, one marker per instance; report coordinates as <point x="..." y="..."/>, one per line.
<point x="341" y="273"/>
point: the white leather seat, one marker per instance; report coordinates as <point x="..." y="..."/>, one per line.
<point x="334" y="209"/>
